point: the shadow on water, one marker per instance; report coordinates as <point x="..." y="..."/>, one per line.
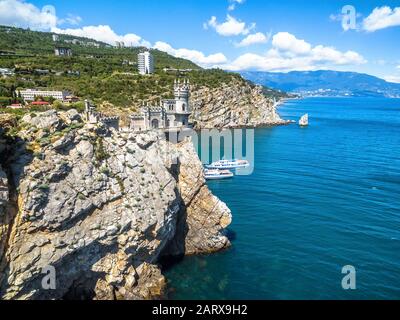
<point x="231" y="234"/>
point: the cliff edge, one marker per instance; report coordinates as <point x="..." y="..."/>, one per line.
<point x="99" y="208"/>
<point x="233" y="105"/>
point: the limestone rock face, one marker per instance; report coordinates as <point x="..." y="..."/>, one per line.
<point x="3" y="190"/>
<point x="48" y="119"/>
<point x="233" y="105"/>
<point x="99" y="207"/>
<point x="4" y="198"/>
<point x="6" y="122"/>
<point x="203" y="218"/>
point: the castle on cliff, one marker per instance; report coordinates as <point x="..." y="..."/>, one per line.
<point x="93" y="117"/>
<point x="170" y="114"/>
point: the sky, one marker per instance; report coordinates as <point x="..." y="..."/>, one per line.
<point x="236" y="35"/>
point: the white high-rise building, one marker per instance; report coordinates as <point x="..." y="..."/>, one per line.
<point x="145" y="63"/>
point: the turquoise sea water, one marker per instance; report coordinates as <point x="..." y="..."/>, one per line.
<point x="320" y="198"/>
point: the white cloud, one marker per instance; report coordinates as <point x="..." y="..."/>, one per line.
<point x="381" y="18"/>
<point x="71" y="19"/>
<point x="287" y="42"/>
<point x="233" y="4"/>
<point x="231" y="27"/>
<point x="193" y="55"/>
<point x="398" y="67"/>
<point x="381" y="62"/>
<point x="289" y="53"/>
<point x="394" y="79"/>
<point x="25" y="15"/>
<point x="19" y="13"/>
<point x="336" y="17"/>
<point x="255" y="38"/>
<point x="105" y="34"/>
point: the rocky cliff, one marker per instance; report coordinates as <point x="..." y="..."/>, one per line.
<point x="233" y="105"/>
<point x="7" y="122"/>
<point x="99" y="208"/>
<point x="4" y="198"/>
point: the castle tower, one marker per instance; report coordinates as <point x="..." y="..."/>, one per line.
<point x="90" y="113"/>
<point x="182" y="95"/>
<point x="87" y="110"/>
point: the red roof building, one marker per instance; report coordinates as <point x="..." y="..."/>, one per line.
<point x="40" y="103"/>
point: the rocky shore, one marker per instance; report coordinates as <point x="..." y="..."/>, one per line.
<point x="100" y="207"/>
<point x="234" y="105"/>
<point x="104" y="207"/>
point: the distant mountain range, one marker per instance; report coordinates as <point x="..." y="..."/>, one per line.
<point x="326" y="83"/>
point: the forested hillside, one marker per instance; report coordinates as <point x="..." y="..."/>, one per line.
<point x="97" y="71"/>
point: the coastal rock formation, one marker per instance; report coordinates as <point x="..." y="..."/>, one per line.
<point x="97" y="208"/>
<point x="233" y="105"/>
<point x="203" y="217"/>
<point x="4" y="198"/>
<point x="3" y="191"/>
<point x="7" y="122"/>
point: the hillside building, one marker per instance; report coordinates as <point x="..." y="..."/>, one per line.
<point x="120" y="44"/>
<point x="6" y="72"/>
<point x="63" y="52"/>
<point x="31" y="94"/>
<point x="145" y="63"/>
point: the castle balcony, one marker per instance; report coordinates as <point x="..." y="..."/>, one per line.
<point x="136" y="116"/>
<point x="183" y="113"/>
<point x="155" y="109"/>
<point x="109" y="119"/>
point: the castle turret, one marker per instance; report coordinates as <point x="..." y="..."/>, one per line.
<point x="87" y="106"/>
<point x="182" y="95"/>
<point x="90" y="114"/>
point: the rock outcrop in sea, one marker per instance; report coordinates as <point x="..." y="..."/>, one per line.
<point x="101" y="208"/>
<point x="234" y="105"/>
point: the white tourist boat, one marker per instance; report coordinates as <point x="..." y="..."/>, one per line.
<point x="229" y="164"/>
<point x="215" y="174"/>
<point x="304" y="121"/>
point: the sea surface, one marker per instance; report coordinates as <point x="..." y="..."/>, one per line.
<point x="320" y="198"/>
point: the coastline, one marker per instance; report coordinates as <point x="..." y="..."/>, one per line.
<point x="284" y="100"/>
<point x="267" y="224"/>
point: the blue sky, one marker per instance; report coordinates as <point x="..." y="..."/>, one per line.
<point x="236" y="35"/>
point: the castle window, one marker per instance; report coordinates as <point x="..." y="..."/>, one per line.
<point x="184" y="107"/>
<point x="155" y="124"/>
